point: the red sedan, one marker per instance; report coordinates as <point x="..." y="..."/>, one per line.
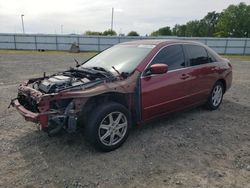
<point x="127" y="84"/>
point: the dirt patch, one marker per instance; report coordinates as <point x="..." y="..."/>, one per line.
<point x="197" y="148"/>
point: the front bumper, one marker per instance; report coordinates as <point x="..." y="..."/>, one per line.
<point x="39" y="108"/>
<point x="40" y="118"/>
<point x="28" y="115"/>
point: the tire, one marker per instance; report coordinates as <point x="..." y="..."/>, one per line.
<point x="216" y="96"/>
<point x="108" y="126"/>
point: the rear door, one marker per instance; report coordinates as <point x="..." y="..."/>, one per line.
<point x="164" y="93"/>
<point x="202" y="72"/>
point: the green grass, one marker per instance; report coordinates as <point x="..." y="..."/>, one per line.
<point x="237" y="57"/>
<point x="89" y="54"/>
<point x="46" y="52"/>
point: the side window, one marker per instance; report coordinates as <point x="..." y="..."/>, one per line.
<point x="172" y="56"/>
<point x="197" y="55"/>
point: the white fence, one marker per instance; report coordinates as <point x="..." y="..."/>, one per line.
<point x="99" y="43"/>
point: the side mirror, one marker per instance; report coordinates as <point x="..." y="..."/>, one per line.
<point x="157" y="69"/>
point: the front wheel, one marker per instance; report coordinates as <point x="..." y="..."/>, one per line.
<point x="108" y="126"/>
<point x="216" y="96"/>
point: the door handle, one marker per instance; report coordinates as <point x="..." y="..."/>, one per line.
<point x="184" y="76"/>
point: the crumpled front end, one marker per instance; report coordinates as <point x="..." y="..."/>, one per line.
<point x="54" y="110"/>
<point x="28" y="105"/>
<point x="48" y="110"/>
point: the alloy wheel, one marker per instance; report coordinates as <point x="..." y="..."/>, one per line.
<point x="113" y="128"/>
<point x="217" y="95"/>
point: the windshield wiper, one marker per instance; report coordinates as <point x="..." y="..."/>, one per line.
<point x="121" y="75"/>
<point x="81" y="63"/>
<point x="77" y="63"/>
<point x="102" y="70"/>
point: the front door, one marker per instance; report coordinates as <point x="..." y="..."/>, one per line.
<point x="164" y="93"/>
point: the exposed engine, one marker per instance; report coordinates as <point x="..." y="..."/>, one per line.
<point x="60" y="82"/>
<point x="75" y="78"/>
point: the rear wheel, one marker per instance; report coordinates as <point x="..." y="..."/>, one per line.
<point x="108" y="126"/>
<point x="216" y="96"/>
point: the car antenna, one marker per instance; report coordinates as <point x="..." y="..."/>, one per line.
<point x="120" y="75"/>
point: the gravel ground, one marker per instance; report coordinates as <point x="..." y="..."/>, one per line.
<point x="197" y="148"/>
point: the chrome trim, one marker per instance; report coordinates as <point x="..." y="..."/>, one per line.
<point x="155" y="56"/>
<point x="179" y="69"/>
<point x="174" y="69"/>
<point x="152" y="75"/>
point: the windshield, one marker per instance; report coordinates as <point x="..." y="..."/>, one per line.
<point x="125" y="58"/>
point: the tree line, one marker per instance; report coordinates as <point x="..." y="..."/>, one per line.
<point x="109" y="33"/>
<point x="234" y="21"/>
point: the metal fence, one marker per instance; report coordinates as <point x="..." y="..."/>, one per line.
<point x="99" y="43"/>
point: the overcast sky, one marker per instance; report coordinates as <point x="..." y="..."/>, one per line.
<point x="77" y="16"/>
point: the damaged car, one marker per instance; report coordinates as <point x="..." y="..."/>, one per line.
<point x="128" y="84"/>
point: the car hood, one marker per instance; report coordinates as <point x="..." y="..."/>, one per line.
<point x="57" y="86"/>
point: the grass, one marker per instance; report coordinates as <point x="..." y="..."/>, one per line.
<point x="237" y="57"/>
<point x="46" y="52"/>
<point x="89" y="54"/>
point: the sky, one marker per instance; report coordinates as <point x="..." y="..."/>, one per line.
<point x="77" y="16"/>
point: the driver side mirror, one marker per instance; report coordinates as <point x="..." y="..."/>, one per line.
<point x="157" y="69"/>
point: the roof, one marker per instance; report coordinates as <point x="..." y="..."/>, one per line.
<point x="159" y="42"/>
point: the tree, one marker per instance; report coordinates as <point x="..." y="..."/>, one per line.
<point x="133" y="33"/>
<point x="109" y="33"/>
<point x="105" y="33"/>
<point x="234" y="21"/>
<point x="206" y="27"/>
<point x="179" y="30"/>
<point x="92" y="33"/>
<point x="193" y="29"/>
<point x="164" y="31"/>
<point x="211" y="22"/>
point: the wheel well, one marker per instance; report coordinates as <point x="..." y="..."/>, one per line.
<point x="94" y="101"/>
<point x="224" y="84"/>
<point x="112" y="96"/>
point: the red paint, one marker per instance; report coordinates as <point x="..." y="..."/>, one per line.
<point x="158" y="69"/>
<point x="161" y="94"/>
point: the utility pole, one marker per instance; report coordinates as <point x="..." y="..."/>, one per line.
<point x="22" y="15"/>
<point x="61" y="29"/>
<point x="112" y="19"/>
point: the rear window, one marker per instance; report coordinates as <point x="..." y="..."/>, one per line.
<point x="197" y="55"/>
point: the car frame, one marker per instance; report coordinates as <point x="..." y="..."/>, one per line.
<point x="109" y="107"/>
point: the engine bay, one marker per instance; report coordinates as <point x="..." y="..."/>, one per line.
<point x="74" y="78"/>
